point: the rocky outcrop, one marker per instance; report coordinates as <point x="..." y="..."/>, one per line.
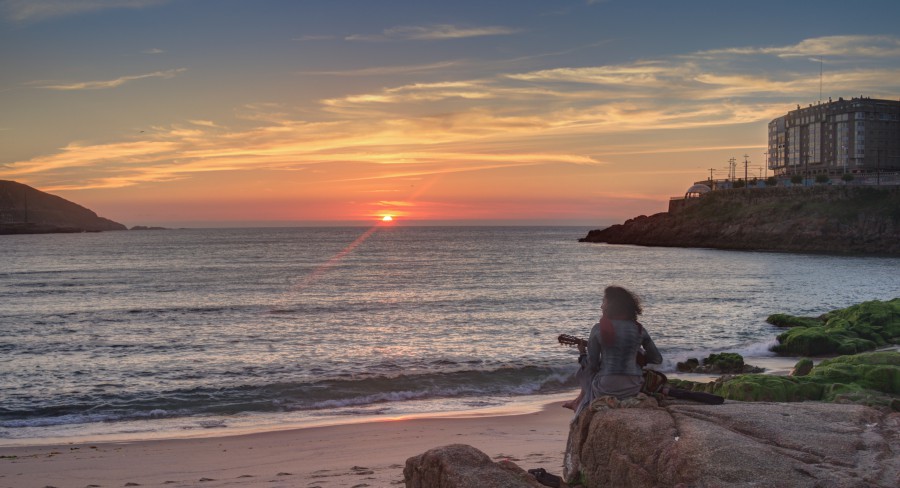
<point x="25" y="210"/>
<point x="843" y="219"/>
<point x="721" y="363"/>
<point x="736" y="444"/>
<point x="861" y="327"/>
<point x="871" y="379"/>
<point x="463" y="466"/>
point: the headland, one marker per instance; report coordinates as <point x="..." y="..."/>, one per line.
<point x="818" y="219"/>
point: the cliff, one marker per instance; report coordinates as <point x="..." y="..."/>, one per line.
<point x="25" y="210"/>
<point x="843" y="220"/>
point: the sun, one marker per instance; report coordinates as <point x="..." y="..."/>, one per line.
<point x="387" y="218"/>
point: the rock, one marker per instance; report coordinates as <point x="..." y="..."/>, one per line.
<point x="25" y="210"/>
<point x="871" y="379"/>
<point x="802" y="368"/>
<point x="463" y="466"/>
<point x="736" y="444"/>
<point x="688" y="366"/>
<point x="858" y="328"/>
<point x="721" y="363"/>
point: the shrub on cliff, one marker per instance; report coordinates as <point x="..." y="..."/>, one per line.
<point x="858" y="328"/>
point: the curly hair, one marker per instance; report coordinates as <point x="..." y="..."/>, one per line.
<point x="621" y="302"/>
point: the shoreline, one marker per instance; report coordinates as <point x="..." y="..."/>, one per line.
<point x="362" y="454"/>
<point x="358" y="452"/>
<point x="146" y="430"/>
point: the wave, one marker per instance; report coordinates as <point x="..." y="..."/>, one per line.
<point x="759" y="349"/>
<point x="468" y="385"/>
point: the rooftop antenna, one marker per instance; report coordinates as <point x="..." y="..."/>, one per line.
<point x="821" y="63"/>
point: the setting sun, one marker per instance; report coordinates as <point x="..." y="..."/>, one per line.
<point x="387" y="218"/>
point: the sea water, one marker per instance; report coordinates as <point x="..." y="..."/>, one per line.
<point x="162" y="333"/>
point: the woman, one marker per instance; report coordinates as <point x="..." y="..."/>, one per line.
<point x="610" y="366"/>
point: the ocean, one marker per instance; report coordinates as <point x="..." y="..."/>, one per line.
<point x="146" y="334"/>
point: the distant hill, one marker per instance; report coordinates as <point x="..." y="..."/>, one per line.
<point x="25" y="210"/>
<point x="825" y="219"/>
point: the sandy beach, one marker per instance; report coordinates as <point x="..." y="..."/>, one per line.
<point x="358" y="455"/>
<point x="367" y="454"/>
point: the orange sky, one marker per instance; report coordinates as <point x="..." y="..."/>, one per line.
<point x="161" y="112"/>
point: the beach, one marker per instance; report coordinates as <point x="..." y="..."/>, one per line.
<point x="371" y="452"/>
<point x="351" y="455"/>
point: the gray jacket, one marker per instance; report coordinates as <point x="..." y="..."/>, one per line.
<point x="618" y="355"/>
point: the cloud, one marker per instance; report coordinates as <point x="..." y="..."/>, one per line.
<point x="204" y="123"/>
<point x="104" y="84"/>
<point x="823" y="48"/>
<point x="38" y="10"/>
<point x="152" y="51"/>
<point x="585" y="116"/>
<point x="433" y="32"/>
<point x="389" y="70"/>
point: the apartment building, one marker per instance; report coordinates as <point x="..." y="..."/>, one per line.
<point x="860" y="135"/>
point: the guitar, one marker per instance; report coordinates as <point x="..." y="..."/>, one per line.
<point x="654" y="381"/>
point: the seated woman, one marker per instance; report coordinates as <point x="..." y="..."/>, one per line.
<point x="609" y="365"/>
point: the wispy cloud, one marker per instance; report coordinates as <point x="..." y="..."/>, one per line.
<point x="433" y="33"/>
<point x="389" y="70"/>
<point x="104" y="84"/>
<point x="38" y="10"/>
<point x="823" y="47"/>
<point x="561" y="116"/>
<point x="153" y="51"/>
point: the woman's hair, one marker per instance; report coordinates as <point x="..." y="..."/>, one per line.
<point x="622" y="303"/>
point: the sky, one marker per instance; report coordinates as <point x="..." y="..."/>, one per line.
<point x="306" y="112"/>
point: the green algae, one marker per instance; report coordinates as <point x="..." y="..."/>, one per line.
<point x="870" y="378"/>
<point x="858" y="328"/>
<point x="726" y="361"/>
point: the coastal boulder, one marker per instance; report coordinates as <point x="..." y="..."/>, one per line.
<point x="463" y="466"/>
<point x="862" y="327"/>
<point x="721" y="363"/>
<point x="737" y="445"/>
<point x="871" y="379"/>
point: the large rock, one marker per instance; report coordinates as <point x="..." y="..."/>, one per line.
<point x="735" y="445"/>
<point x="463" y="466"/>
<point x="861" y="327"/>
<point x="25" y="210"/>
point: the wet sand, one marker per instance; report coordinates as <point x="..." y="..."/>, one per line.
<point x="369" y="454"/>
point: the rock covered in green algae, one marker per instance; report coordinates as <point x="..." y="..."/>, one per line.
<point x="878" y="371"/>
<point x="721" y="363"/>
<point x="871" y="379"/>
<point x="858" y="328"/>
<point x="803" y="367"/>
